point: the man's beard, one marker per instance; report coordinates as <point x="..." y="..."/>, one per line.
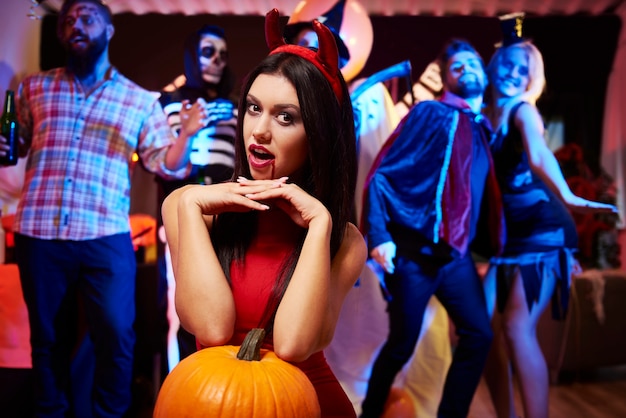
<point x="84" y="62"/>
<point x="470" y="90"/>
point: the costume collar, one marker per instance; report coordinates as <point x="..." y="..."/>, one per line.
<point x="458" y="102"/>
<point x="454" y="100"/>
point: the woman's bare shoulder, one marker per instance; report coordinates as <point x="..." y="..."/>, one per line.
<point x="354" y="243"/>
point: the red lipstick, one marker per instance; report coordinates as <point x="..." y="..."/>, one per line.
<point x="259" y="157"/>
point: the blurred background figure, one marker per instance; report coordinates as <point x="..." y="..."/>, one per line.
<point x="424" y="199"/>
<point x="538" y="259"/>
<point x="73" y="244"/>
<point x="208" y="84"/>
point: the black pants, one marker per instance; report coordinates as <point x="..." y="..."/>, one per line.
<point x="459" y="289"/>
<point x="16" y="400"/>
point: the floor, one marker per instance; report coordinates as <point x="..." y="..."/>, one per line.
<point x="593" y="394"/>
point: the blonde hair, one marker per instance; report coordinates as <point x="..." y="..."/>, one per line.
<point x="536" y="75"/>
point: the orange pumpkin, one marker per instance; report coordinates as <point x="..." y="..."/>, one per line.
<point x="399" y="404"/>
<point x="230" y="381"/>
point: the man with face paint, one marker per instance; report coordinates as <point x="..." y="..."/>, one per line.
<point x="208" y="83"/>
<point x="80" y="126"/>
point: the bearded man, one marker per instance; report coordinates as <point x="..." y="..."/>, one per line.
<point x="80" y="125"/>
<point x="426" y="193"/>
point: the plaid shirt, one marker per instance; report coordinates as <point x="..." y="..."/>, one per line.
<point x="77" y="182"/>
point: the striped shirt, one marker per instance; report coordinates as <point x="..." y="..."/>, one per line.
<point x="212" y="153"/>
<point x="77" y="180"/>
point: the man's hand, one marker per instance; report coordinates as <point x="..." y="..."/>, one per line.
<point x="384" y="255"/>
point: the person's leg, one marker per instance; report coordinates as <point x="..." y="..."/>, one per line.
<point x="173" y="348"/>
<point x="410" y="288"/>
<point x="461" y="293"/>
<point x="109" y="296"/>
<point x="47" y="273"/>
<point x="426" y="373"/>
<point x="520" y="332"/>
<point x="497" y="371"/>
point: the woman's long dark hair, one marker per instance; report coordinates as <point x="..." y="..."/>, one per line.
<point x="329" y="175"/>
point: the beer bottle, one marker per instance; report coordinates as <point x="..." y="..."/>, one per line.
<point x="9" y="129"/>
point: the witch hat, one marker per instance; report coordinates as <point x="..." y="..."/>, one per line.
<point x="332" y="19"/>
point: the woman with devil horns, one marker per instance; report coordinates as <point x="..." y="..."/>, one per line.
<point x="280" y="252"/>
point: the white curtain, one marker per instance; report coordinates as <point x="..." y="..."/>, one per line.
<point x="613" y="155"/>
<point x="19" y="56"/>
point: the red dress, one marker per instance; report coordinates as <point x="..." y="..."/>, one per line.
<point x="252" y="283"/>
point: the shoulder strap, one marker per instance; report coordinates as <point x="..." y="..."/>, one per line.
<point x="514" y="110"/>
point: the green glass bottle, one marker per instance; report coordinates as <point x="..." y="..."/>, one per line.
<point x="9" y="129"/>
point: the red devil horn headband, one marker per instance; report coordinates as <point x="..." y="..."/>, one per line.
<point x="325" y="59"/>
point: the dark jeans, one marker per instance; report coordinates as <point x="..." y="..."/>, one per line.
<point x="459" y="289"/>
<point x="99" y="273"/>
<point x="16" y="393"/>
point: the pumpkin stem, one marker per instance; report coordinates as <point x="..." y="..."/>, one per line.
<point x="250" y="349"/>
